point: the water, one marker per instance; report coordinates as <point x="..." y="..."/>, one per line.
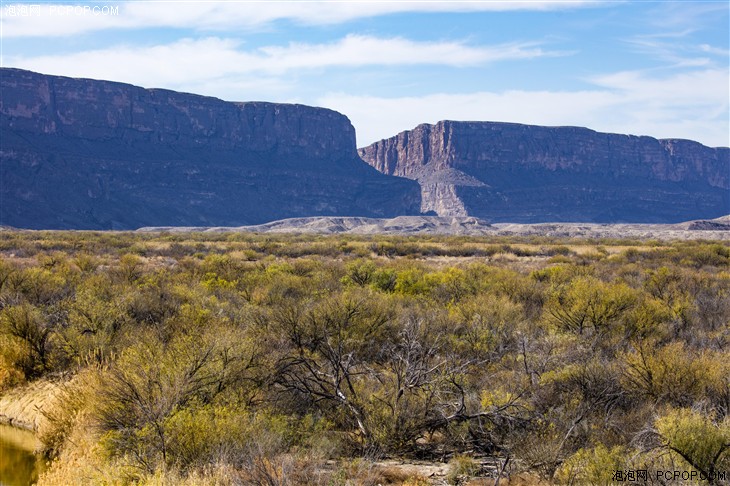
<point x="18" y="465"/>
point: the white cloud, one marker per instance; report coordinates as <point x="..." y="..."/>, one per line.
<point x="686" y="15"/>
<point x="692" y="88"/>
<point x="677" y="54"/>
<point x="189" y="62"/>
<point x="690" y="105"/>
<point x="168" y="65"/>
<point x="356" y="50"/>
<point x="717" y="51"/>
<point x="54" y="20"/>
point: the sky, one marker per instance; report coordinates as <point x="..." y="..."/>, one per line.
<point x="657" y="68"/>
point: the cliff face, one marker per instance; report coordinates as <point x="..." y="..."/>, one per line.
<point x="88" y="154"/>
<point x="101" y="155"/>
<point x="521" y="173"/>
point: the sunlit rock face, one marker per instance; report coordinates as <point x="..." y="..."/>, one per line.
<point x="505" y="172"/>
<point x="86" y="154"/>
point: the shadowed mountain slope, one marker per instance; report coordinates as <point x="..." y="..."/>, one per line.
<point x="86" y="154"/>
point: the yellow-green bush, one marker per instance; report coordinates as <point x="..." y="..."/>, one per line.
<point x="242" y="358"/>
<point x="595" y="466"/>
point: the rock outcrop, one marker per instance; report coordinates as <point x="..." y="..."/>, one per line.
<point x="86" y="154"/>
<point x="505" y="172"/>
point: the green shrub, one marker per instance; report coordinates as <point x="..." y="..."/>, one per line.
<point x="27" y="328"/>
<point x="462" y="467"/>
<point x="703" y="444"/>
<point x="592" y="466"/>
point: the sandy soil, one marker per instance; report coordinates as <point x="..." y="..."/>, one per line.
<point x="716" y="229"/>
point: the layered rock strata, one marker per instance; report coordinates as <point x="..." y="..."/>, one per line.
<point x="86" y="154"/>
<point x="505" y="172"/>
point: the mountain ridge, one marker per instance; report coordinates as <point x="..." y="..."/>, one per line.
<point x="87" y="154"/>
<point x="528" y="173"/>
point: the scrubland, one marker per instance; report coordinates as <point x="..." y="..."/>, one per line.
<point x="239" y="358"/>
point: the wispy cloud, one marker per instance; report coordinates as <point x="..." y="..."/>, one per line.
<point x="57" y="20"/>
<point x="358" y="50"/>
<point x="671" y="34"/>
<point x="716" y="51"/>
<point x="678" y="52"/>
<point x="196" y="60"/>
<point x="686" y="15"/>
<point x="689" y="105"/>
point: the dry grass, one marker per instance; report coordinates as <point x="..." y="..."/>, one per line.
<point x="23" y="406"/>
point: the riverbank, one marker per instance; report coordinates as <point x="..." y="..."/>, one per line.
<point x="23" y="406"/>
<point x="21" y="418"/>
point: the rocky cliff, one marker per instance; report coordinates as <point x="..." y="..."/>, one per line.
<point x="85" y="154"/>
<point x="519" y="173"/>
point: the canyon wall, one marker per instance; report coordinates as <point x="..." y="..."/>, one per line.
<point x="506" y="172"/>
<point x="86" y="154"/>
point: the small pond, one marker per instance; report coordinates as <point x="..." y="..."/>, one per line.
<point x="18" y="465"/>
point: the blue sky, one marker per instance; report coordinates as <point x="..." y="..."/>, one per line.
<point x="659" y="68"/>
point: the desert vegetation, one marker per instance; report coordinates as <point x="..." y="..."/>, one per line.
<point x="275" y="360"/>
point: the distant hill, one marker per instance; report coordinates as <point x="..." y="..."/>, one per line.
<point x="506" y="172"/>
<point x="716" y="229"/>
<point x="78" y="153"/>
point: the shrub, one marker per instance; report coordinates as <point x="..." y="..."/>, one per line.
<point x="385" y="279"/>
<point x="211" y="368"/>
<point x="26" y="327"/>
<point x="674" y="373"/>
<point x="360" y="272"/>
<point x="586" y="302"/>
<point x="592" y="466"/>
<point x="152" y="382"/>
<point x="462" y="467"/>
<point x="702" y="443"/>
